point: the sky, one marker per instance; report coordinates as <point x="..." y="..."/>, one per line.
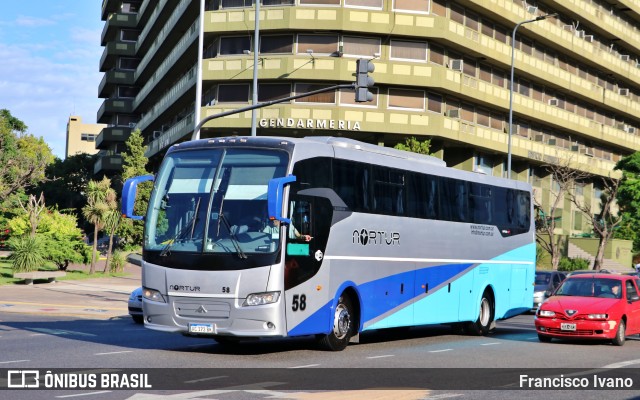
<point x="49" y="64"/>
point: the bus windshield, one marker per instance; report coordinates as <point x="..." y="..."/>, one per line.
<point x="214" y="201"/>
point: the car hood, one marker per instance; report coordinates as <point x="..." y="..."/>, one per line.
<point x="583" y="305"/>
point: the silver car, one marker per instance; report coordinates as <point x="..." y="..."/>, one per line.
<point x="135" y="306"/>
<point x="546" y="282"/>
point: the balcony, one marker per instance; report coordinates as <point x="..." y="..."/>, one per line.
<point x="109" y="7"/>
<point x="114" y="106"/>
<point x="113" y="134"/>
<point x="108" y="163"/>
<point x="114" y="23"/>
<point x="112" y="51"/>
<point x="113" y="78"/>
<point x="170" y="136"/>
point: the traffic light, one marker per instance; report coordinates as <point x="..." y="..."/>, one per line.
<point x="363" y="80"/>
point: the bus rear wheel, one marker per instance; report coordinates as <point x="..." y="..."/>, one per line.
<point x="482" y="325"/>
<point x="342" y="326"/>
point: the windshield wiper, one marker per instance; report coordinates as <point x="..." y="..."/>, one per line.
<point x="191" y="224"/>
<point x="233" y="237"/>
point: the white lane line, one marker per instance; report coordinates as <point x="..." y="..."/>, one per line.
<point x="37" y="334"/>
<point x="622" y="364"/>
<point x="113" y="352"/>
<point x="305" y="366"/>
<point x="199" y="345"/>
<point x="83" y="394"/>
<point x="206" y="379"/>
<point x="439" y="351"/>
<point x="489" y="344"/>
<point x="388" y="355"/>
<point x="14" y="361"/>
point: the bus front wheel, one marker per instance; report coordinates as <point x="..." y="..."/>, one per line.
<point x="342" y="326"/>
<point x="483" y="324"/>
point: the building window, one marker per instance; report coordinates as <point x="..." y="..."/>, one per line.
<point x="364" y="3"/>
<point x="436" y="55"/>
<point x="88" y="137"/>
<point x="406" y="50"/>
<point x="278" y="2"/>
<point x="129" y="63"/>
<point x="236" y="3"/>
<point x="406" y="98"/>
<point x="233" y="93"/>
<point x="127" y="91"/>
<point x="277" y="44"/>
<point x="128" y="35"/>
<point x="273" y="91"/>
<point x="421" y="6"/>
<point x="319" y="44"/>
<point x="234" y="45"/>
<point x="360" y="46"/>
<point x="320" y="2"/>
<point x="439" y="7"/>
<point x="327" y="97"/>
<point x="434" y="102"/>
<point x="348" y="97"/>
<point x="483" y="164"/>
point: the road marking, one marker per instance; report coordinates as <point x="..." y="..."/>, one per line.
<point x="14" y="361"/>
<point x="83" y="394"/>
<point x="622" y="364"/>
<point x="38" y="334"/>
<point x="388" y="355"/>
<point x="439" y="351"/>
<point x="59" y="305"/>
<point x="206" y="379"/>
<point x="60" y="332"/>
<point x="113" y="352"/>
<point x="489" y="344"/>
<point x="305" y="366"/>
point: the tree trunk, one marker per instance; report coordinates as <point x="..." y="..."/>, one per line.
<point x="106" y="265"/>
<point x="597" y="263"/>
<point x="92" y="270"/>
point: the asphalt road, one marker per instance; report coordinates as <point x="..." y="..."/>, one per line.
<point x="30" y="341"/>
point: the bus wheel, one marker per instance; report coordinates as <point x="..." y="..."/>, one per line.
<point x="339" y="337"/>
<point x="483" y="324"/>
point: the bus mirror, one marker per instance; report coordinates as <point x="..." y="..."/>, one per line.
<point x="129" y="195"/>
<point x="274" y="197"/>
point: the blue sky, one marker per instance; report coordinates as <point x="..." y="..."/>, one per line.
<point x="49" y="60"/>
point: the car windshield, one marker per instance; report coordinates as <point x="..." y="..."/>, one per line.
<point x="214" y="201"/>
<point x="595" y="287"/>
<point x="542" y="278"/>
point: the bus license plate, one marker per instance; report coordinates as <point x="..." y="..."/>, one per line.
<point x="568" y="327"/>
<point x="201" y="328"/>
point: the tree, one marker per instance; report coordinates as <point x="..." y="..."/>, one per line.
<point x="604" y="222"/>
<point x="23" y="157"/>
<point x="111" y="223"/>
<point x="564" y="177"/>
<point x="628" y="197"/>
<point x="101" y="199"/>
<point x="134" y="164"/>
<point x="414" y="145"/>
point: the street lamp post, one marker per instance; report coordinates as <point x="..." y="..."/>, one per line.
<point x="256" y="49"/>
<point x="513" y="51"/>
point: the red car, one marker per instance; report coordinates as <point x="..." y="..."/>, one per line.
<point x="591" y="306"/>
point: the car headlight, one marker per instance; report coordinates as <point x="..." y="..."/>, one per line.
<point x="598" y="316"/>
<point x="259" y="299"/>
<point x="153" y="295"/>
<point x="546" y="313"/>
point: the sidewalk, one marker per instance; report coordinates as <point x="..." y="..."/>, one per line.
<point x="97" y="298"/>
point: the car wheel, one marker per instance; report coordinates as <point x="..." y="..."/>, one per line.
<point x="138" y="319"/>
<point x="342" y="327"/>
<point x="483" y="324"/>
<point x="618" y="340"/>
<point x="544" y="339"/>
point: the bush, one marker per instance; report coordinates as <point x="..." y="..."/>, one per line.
<point x="116" y="264"/>
<point x="573" y="264"/>
<point x="27" y="253"/>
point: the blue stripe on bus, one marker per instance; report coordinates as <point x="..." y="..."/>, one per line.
<point x="383" y="295"/>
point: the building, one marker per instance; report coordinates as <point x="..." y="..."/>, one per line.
<point x="442" y="72"/>
<point x="81" y="138"/>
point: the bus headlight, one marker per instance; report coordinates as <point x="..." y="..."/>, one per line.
<point x="152" y="295"/>
<point x="259" y="299"/>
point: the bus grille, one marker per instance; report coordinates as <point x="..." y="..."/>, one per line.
<point x="202" y="309"/>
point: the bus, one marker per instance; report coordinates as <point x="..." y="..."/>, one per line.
<point x="254" y="237"/>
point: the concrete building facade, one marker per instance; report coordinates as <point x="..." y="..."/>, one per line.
<point x="81" y="137"/>
<point x="442" y="72"/>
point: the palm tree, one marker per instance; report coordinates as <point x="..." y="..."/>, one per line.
<point x="111" y="222"/>
<point x="101" y="199"/>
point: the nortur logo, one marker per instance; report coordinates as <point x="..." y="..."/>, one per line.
<point x="372" y="237"/>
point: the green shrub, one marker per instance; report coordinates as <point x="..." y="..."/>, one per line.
<point x="573" y="264"/>
<point x="27" y="253"/>
<point x="116" y="264"/>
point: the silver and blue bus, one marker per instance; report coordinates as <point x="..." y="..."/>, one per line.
<point x="253" y="237"/>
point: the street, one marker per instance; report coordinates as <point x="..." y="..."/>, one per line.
<point x="55" y="342"/>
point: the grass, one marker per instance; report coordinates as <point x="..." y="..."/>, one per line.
<point x="6" y="274"/>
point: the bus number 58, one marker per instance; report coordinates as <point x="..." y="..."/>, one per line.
<point x="299" y="302"/>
